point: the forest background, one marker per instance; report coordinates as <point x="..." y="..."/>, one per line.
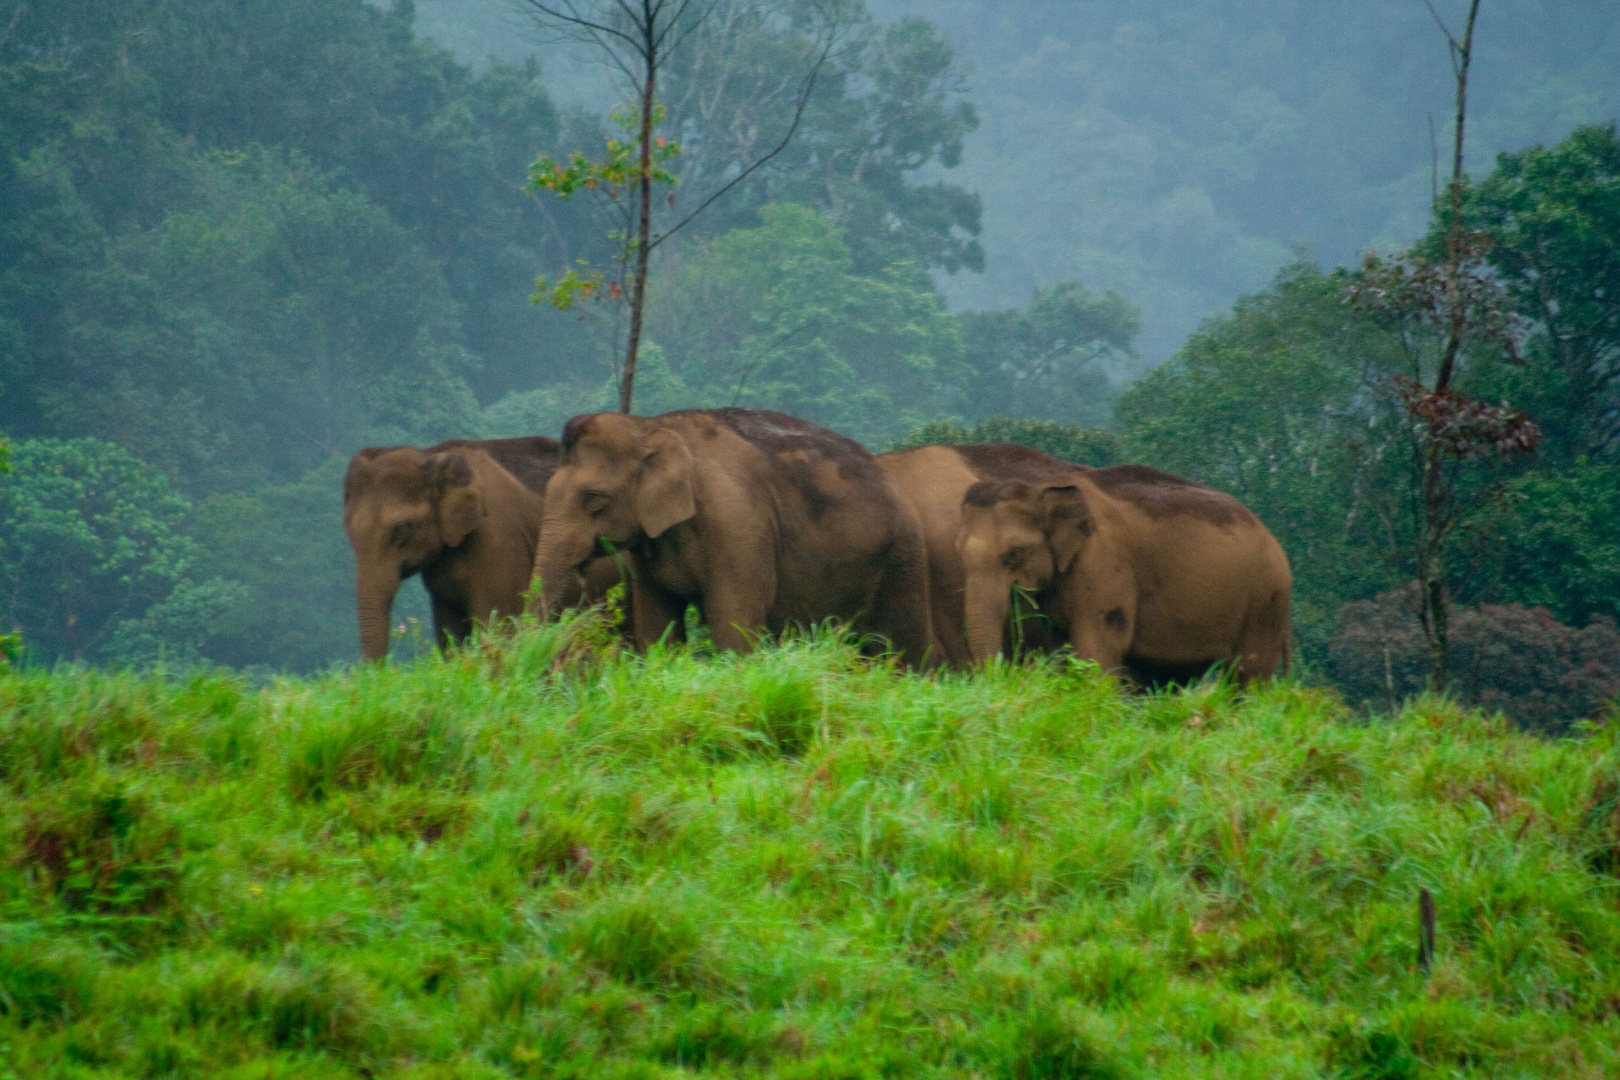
<point x="239" y="240"/>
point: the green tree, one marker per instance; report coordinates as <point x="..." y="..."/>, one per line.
<point x="778" y="316"/>
<point x="640" y="44"/>
<point x="89" y="537"/>
<point x="1549" y="542"/>
<point x="243" y="340"/>
<point x="1553" y="216"/>
<point x="128" y="95"/>
<point x="1050" y="360"/>
<point x="1446" y="312"/>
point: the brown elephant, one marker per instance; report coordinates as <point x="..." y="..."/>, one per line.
<point x="1140" y="571"/>
<point x="759" y="518"/>
<point x="933" y="481"/>
<point x="464" y="514"/>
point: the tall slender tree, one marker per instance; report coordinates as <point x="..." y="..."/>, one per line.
<point x="638" y="39"/>
<point x="1439" y="310"/>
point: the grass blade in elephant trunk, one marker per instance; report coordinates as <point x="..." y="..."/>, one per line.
<point x="374" y="592"/>
<point x="985" y="609"/>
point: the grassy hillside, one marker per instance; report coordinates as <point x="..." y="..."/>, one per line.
<point x="537" y="858"/>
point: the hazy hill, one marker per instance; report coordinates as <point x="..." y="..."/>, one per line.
<point x="1178" y="151"/>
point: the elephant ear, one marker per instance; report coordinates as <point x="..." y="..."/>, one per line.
<point x="663" y="497"/>
<point x="461" y="503"/>
<point x="1068" y="523"/>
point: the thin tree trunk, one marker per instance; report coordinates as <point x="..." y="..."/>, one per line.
<point x="1432" y="596"/>
<point x="1459" y="316"/>
<point x="1434" y="602"/>
<point x="638" y="293"/>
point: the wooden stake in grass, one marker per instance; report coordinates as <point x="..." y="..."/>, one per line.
<point x="1425" y="930"/>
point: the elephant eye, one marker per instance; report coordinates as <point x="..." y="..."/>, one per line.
<point x="1012" y="557"/>
<point x="401" y="534"/>
<point x="595" y="502"/>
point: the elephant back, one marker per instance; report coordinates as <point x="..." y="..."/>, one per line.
<point x="531" y="459"/>
<point x="1161" y="494"/>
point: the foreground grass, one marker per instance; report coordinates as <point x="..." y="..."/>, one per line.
<point x="531" y="859"/>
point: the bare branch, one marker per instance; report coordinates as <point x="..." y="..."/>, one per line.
<point x="571" y="17"/>
<point x="809" y="86"/>
<point x="1449" y="39"/>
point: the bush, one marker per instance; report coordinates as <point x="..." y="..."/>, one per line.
<point x="89" y="537"/>
<point x="1504" y="657"/>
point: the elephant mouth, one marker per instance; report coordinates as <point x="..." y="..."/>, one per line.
<point x="610" y="548"/>
<point x="408" y="568"/>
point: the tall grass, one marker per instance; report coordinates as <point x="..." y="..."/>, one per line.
<point x="541" y="857"/>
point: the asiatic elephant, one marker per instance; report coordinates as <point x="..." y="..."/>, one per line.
<point x="933" y="480"/>
<point x="759" y="518"/>
<point x="1140" y="571"/>
<point x="464" y="514"/>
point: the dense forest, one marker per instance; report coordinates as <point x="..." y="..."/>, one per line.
<point x="241" y="239"/>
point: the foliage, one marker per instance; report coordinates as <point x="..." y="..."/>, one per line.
<point x="1549" y="542"/>
<point x="1071" y="442"/>
<point x="440" y="147"/>
<point x="1553" y="216"/>
<point x="232" y="315"/>
<point x="1504" y="657"/>
<point x="89" y="536"/>
<point x="616" y="177"/>
<point x="778" y="316"/>
<point x="1051" y="360"/>
<point x="484" y="866"/>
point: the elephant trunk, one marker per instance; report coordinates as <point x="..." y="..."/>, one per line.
<point x="559" y="553"/>
<point x="374" y="592"/>
<point x="985" y="612"/>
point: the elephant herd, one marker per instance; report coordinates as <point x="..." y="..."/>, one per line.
<point x="763" y="520"/>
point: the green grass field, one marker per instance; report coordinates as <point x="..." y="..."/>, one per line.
<point x="541" y="857"/>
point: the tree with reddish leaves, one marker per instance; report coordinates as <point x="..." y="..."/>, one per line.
<point x="1443" y="311"/>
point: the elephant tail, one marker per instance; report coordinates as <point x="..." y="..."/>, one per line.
<point x="1288" y="654"/>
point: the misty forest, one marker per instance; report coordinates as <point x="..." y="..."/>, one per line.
<point x="241" y="240"/>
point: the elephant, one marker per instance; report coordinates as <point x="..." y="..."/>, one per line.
<point x="933" y="480"/>
<point x="1141" y="571"/>
<point x="759" y="518"/>
<point x="464" y="514"/>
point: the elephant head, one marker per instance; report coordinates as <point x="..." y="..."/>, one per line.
<point x="402" y="508"/>
<point x="1014" y="534"/>
<point x="623" y="479"/>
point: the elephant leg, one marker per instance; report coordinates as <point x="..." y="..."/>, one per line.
<point x="654" y="613"/>
<point x="1103" y="630"/>
<point x="736" y="617"/>
<point x="450" y="623"/>
<point x="1263" y="645"/>
<point x="901" y="609"/>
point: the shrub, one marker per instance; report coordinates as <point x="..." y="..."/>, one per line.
<point x="1504" y="657"/>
